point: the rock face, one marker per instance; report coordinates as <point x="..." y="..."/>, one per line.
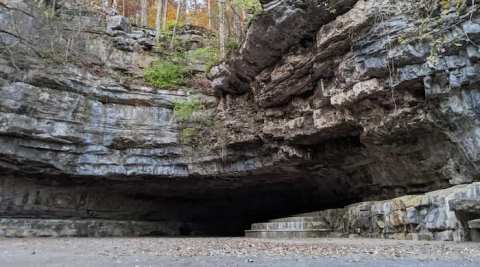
<point x="81" y="228"/>
<point x="403" y="105"/>
<point x="327" y="103"/>
<point x="438" y="215"/>
<point x="432" y="216"/>
<point x="383" y="100"/>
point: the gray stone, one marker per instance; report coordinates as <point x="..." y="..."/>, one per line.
<point x="472" y="29"/>
<point x="12" y="227"/>
<point x="474" y="226"/>
<point x="117" y="23"/>
<point x="432" y="216"/>
<point x="469" y="206"/>
<point x="473" y="53"/>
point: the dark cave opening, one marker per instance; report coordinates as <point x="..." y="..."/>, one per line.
<point x="187" y="207"/>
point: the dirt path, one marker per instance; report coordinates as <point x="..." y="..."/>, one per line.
<point x="209" y="252"/>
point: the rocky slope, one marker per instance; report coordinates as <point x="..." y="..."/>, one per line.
<point x="327" y="103"/>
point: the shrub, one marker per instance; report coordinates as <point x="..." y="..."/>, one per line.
<point x="164" y="74"/>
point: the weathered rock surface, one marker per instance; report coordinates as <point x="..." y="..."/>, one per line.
<point x="403" y="105"/>
<point x="431" y="216"/>
<point x="327" y="103"/>
<point x="82" y="228"/>
<point x="117" y="23"/>
<point x="417" y="217"/>
<point x="384" y="99"/>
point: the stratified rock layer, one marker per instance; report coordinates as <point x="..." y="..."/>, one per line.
<point x="438" y="215"/>
<point x="384" y="100"/>
<point x="327" y="103"/>
<point x="82" y="228"/>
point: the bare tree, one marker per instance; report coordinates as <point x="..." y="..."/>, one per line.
<point x="179" y="6"/>
<point x="54" y="3"/>
<point x="209" y="14"/>
<point x="159" y="19"/>
<point x="165" y="15"/>
<point x="237" y="21"/>
<point x="185" y="12"/>
<point x="221" y="27"/>
<point x="144" y="13"/>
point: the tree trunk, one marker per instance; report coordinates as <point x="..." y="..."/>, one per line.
<point x="209" y="13"/>
<point x="176" y="23"/>
<point x="185" y="12"/>
<point x="124" y="8"/>
<point x="165" y="15"/>
<point x="144" y="12"/>
<point x="159" y="19"/>
<point x="237" y="22"/>
<point x="54" y="3"/>
<point x="105" y="4"/>
<point x="221" y="27"/>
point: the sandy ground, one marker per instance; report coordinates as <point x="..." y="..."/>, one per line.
<point x="203" y="252"/>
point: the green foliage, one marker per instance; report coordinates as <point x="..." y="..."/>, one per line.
<point x="179" y="58"/>
<point x="252" y="6"/>
<point x="187" y="135"/>
<point x="171" y="25"/>
<point x="183" y="110"/>
<point x="232" y="45"/>
<point x="192" y="125"/>
<point x="47" y="9"/>
<point x="446" y="5"/>
<point x="207" y="55"/>
<point x="165" y="74"/>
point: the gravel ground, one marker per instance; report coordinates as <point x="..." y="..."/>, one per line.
<point x="241" y="252"/>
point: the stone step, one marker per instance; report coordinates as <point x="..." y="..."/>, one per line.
<point x="474" y="226"/>
<point x="25" y="227"/>
<point x="296" y="219"/>
<point x="287" y="234"/>
<point x="290" y="226"/>
<point x="308" y="214"/>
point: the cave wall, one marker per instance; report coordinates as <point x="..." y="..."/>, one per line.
<point x="326" y="103"/>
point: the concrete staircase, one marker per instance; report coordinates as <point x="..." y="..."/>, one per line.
<point x="290" y="227"/>
<point x="474" y="226"/>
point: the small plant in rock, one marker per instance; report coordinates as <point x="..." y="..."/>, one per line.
<point x="208" y="55"/>
<point x="187" y="135"/>
<point x="232" y="45"/>
<point x="165" y="74"/>
<point x="183" y="110"/>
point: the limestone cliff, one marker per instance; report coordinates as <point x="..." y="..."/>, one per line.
<point x="326" y="103"/>
<point x="376" y="98"/>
